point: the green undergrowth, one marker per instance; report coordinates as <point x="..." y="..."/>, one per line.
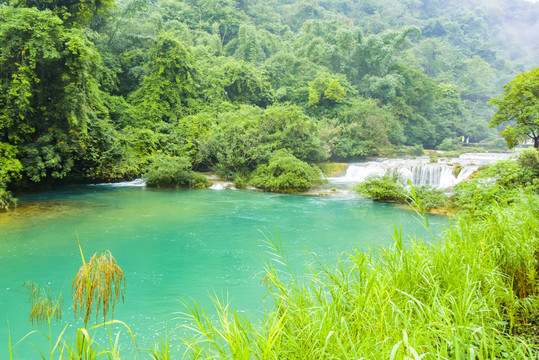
<point x="392" y="187"/>
<point x="469" y="294"/>
<point x="174" y="172"/>
<point x="285" y="173"/>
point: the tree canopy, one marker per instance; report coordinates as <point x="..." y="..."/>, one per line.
<point x="98" y="90"/>
<point x="519" y="105"/>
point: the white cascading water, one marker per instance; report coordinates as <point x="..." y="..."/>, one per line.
<point x="135" y="183"/>
<point x="420" y="171"/>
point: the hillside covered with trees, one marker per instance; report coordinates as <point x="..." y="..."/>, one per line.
<point x="101" y="90"/>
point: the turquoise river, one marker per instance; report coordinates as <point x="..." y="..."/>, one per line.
<point x="174" y="246"/>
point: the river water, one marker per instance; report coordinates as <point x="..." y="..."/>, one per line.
<point x="173" y="246"/>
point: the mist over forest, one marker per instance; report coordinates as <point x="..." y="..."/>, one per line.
<point x="101" y="90"/>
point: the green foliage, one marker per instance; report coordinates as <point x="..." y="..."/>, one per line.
<point x="430" y="197"/>
<point x="6" y="198"/>
<point x="169" y="171"/>
<point x="474" y="196"/>
<point x="10" y="166"/>
<point x="449" y="144"/>
<point x="433" y="157"/>
<point x="166" y="91"/>
<point x="72" y="12"/>
<point x="326" y="90"/>
<point x="511" y="174"/>
<point x="457" y="168"/>
<point x="528" y="160"/>
<point x="519" y="105"/>
<point x="361" y="129"/>
<point x="500" y="182"/>
<point x="243" y="139"/>
<point x="403" y="150"/>
<point x="389" y="187"/>
<point x="238" y="82"/>
<point x="90" y="90"/>
<point x="416" y="150"/>
<point x="52" y="114"/>
<point x="333" y="169"/>
<point x="285" y="173"/>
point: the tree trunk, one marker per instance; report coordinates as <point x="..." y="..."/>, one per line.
<point x="536" y="142"/>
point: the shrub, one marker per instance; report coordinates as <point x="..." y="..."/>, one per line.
<point x="449" y="144"/>
<point x="528" y="160"/>
<point x="173" y="171"/>
<point x="433" y="157"/>
<point x="389" y="187"/>
<point x="285" y="173"/>
<point x="6" y="198"/>
<point x="240" y="180"/>
<point x="511" y="174"/>
<point x="457" y="169"/>
<point x="474" y="196"/>
<point x="417" y="150"/>
<point x="430" y="196"/>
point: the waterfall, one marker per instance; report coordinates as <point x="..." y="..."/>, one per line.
<point x="420" y="171"/>
<point x="134" y="183"/>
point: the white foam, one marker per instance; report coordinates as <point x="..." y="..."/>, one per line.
<point x="222" y="185"/>
<point x="134" y="183"/>
<point x="420" y="171"/>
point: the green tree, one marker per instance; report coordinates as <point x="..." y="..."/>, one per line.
<point x="242" y="139"/>
<point x="326" y="90"/>
<point x="519" y="104"/>
<point x="167" y="91"/>
<point x="238" y="82"/>
<point x="51" y="107"/>
<point x="73" y="12"/>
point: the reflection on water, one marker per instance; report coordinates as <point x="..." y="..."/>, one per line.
<point x="44" y="209"/>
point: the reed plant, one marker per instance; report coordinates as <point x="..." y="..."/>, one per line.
<point x="44" y="308"/>
<point x="470" y="293"/>
<point x="98" y="286"/>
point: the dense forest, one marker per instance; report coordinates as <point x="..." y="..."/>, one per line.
<point x="100" y="90"/>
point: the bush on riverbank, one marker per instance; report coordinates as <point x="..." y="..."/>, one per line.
<point x="392" y="187"/>
<point x="285" y="173"/>
<point x="389" y="187"/>
<point x="173" y="171"/>
<point x="502" y="182"/>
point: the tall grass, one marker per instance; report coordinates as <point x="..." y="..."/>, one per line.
<point x="470" y="294"/>
<point x="97" y="286"/>
<point x="44" y="308"/>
